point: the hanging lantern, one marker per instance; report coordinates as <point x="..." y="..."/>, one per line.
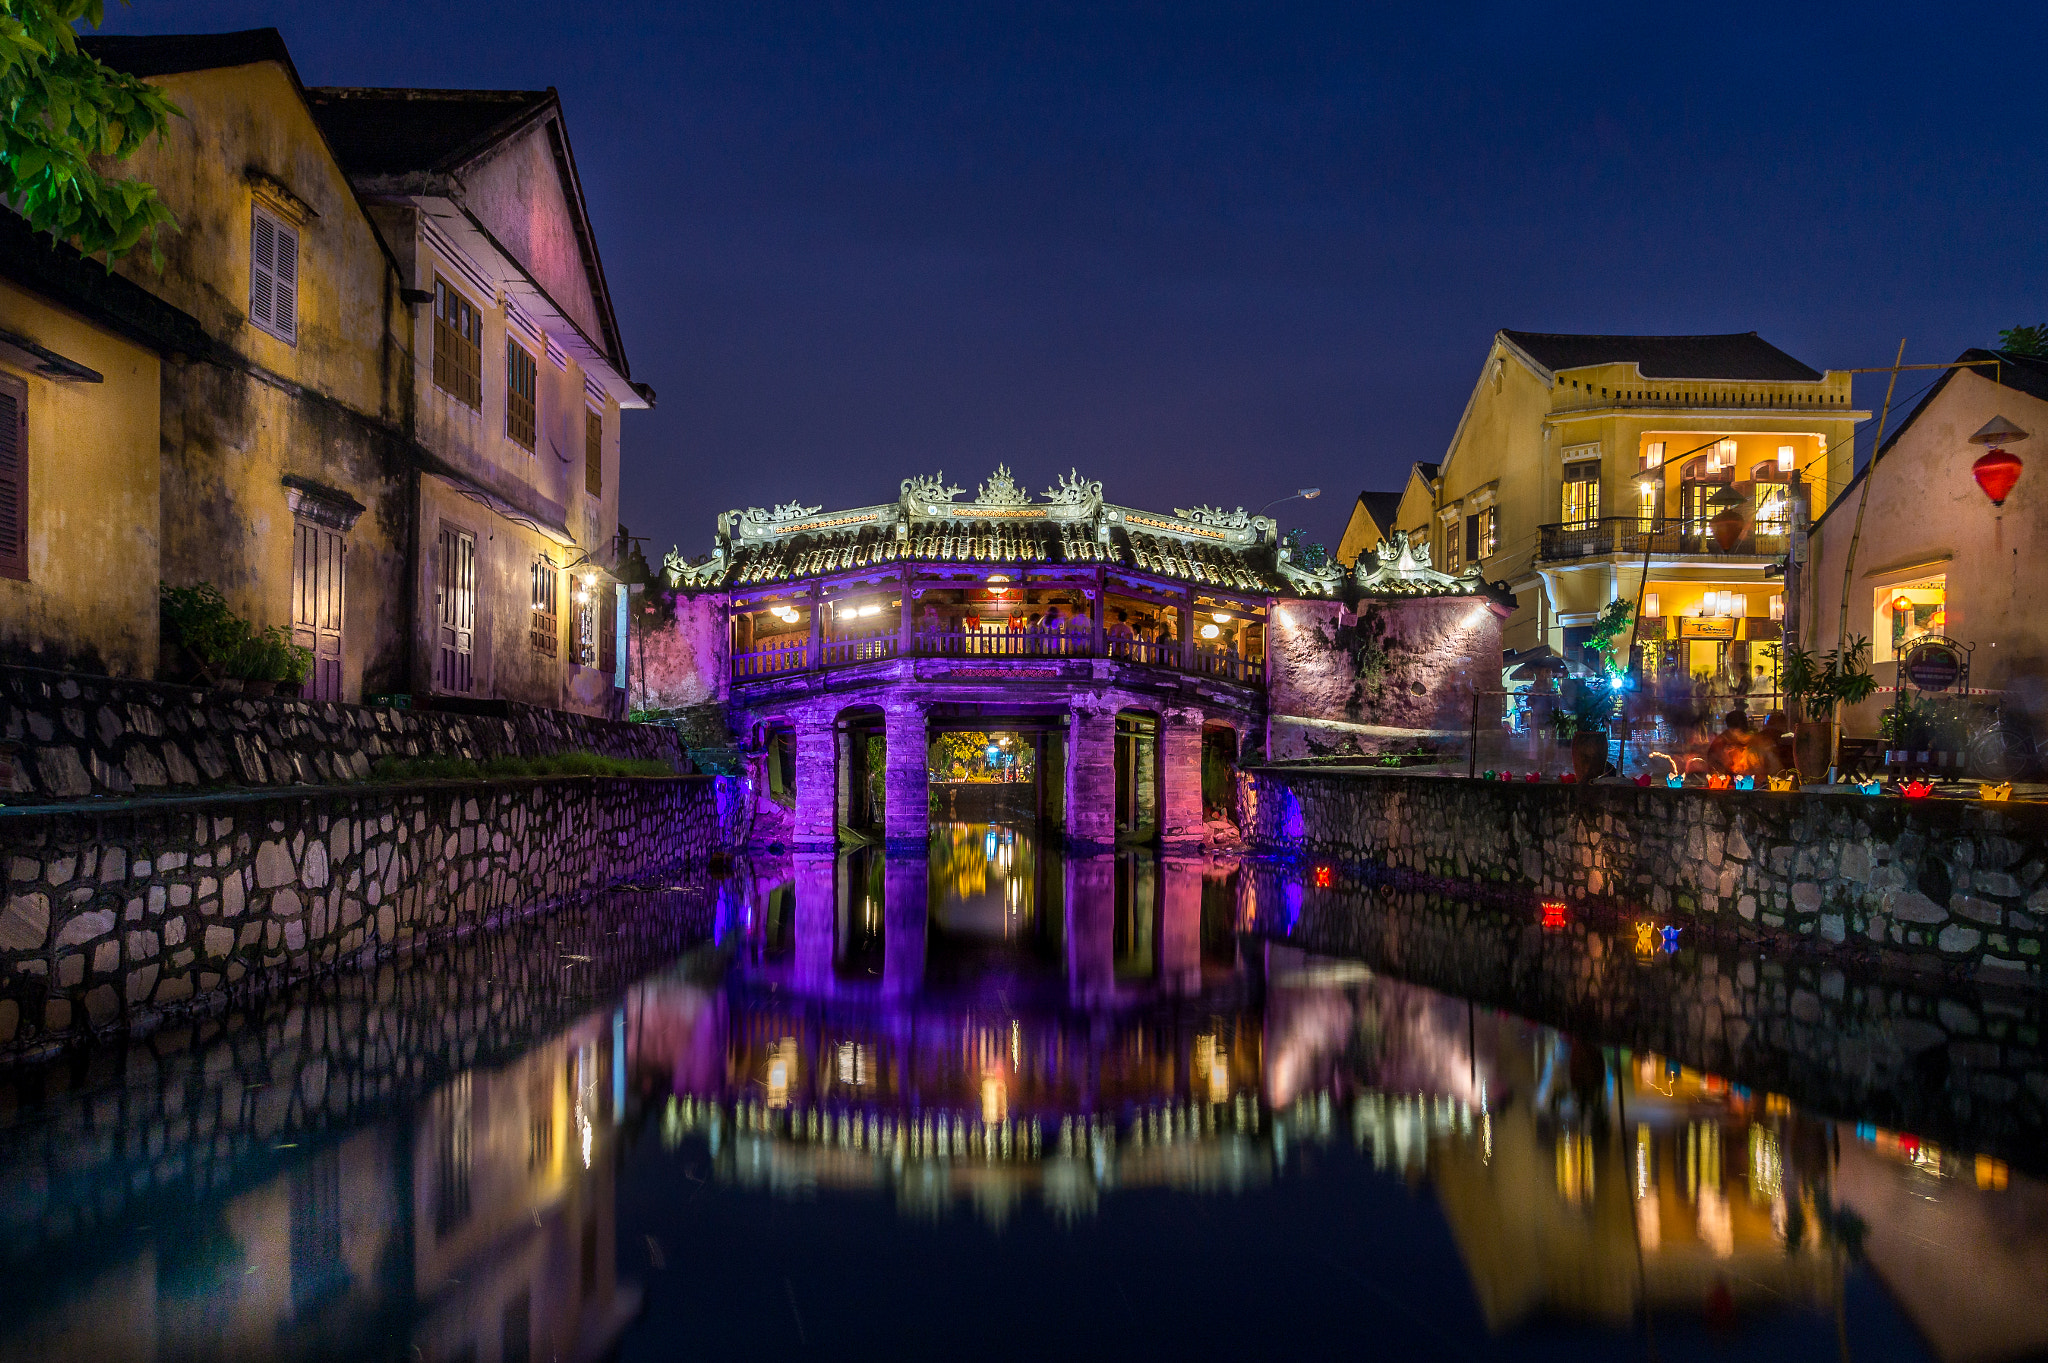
<point x="1901" y="603"/>
<point x="1998" y="468"/>
<point x="1727" y="523"/>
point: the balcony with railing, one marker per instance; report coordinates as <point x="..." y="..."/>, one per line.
<point x="855" y="649"/>
<point x="1634" y="535"/>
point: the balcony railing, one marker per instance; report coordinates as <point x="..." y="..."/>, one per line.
<point x="1632" y="535"/>
<point x="853" y="650"/>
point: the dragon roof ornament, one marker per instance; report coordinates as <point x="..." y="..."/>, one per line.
<point x="1001" y="490"/>
<point x="1214" y="515"/>
<point x="1402" y="568"/>
<point x="930" y="490"/>
<point x="1071" y="489"/>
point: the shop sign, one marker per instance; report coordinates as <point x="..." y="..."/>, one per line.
<point x="1707" y="628"/>
<point x="1933" y="665"/>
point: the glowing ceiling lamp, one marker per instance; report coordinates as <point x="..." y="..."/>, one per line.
<point x="1210" y="632"/>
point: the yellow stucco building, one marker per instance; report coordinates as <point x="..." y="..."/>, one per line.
<point x="81" y="360"/>
<point x="400" y="438"/>
<point x="1583" y="465"/>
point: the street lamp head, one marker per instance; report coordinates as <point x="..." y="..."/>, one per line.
<point x="1310" y="493"/>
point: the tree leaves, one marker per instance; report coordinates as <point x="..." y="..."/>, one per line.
<point x="64" y="109"/>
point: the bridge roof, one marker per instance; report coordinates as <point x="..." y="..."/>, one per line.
<point x="1204" y="546"/>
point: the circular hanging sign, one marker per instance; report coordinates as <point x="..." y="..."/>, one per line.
<point x="1932" y="665"/>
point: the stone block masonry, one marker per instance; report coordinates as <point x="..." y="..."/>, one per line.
<point x="1957" y="886"/>
<point x="76" y="736"/>
<point x="112" y="918"/>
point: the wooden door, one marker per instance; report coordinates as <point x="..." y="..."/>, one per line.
<point x="319" y="556"/>
<point x="455" y="610"/>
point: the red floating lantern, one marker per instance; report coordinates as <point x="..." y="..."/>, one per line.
<point x="1917" y="790"/>
<point x="1996" y="470"/>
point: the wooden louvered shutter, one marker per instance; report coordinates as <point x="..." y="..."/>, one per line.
<point x="274" y="276"/>
<point x="13" y="477"/>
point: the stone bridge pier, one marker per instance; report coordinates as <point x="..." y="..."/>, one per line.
<point x="1113" y="766"/>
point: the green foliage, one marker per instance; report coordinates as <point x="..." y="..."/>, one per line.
<point x="198" y="620"/>
<point x="64" y="112"/>
<point x="2028" y="341"/>
<point x="1312" y="557"/>
<point x="1815" y="681"/>
<point x="270" y="655"/>
<point x="1607" y="630"/>
<point x="498" y="768"/>
<point x="1584" y="709"/>
<point x="223" y="644"/>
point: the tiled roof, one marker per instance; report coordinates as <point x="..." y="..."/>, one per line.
<point x="166" y="54"/>
<point x="1737" y="356"/>
<point x="393" y="132"/>
<point x="970" y="541"/>
<point x="1381" y="506"/>
<point x="60" y="273"/>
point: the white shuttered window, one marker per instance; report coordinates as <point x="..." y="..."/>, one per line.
<point x="274" y="276"/>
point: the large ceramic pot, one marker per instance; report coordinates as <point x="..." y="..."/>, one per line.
<point x="1813" y="746"/>
<point x="1589" y="754"/>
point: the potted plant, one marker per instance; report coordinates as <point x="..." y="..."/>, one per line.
<point x="204" y="637"/>
<point x="1814" y="683"/>
<point x="1584" y="718"/>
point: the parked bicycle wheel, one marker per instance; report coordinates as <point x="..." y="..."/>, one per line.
<point x="2000" y="753"/>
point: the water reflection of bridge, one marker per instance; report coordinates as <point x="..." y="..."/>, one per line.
<point x="1555" y="1165"/>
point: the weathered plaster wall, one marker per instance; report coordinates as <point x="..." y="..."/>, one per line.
<point x="93" y="554"/>
<point x="1927" y="517"/>
<point x="1392" y="676"/>
<point x="517" y="193"/>
<point x="80" y="736"/>
<point x="685" y="663"/>
<point x="329" y="406"/>
<point x="1946" y="885"/>
<point x="111" y="918"/>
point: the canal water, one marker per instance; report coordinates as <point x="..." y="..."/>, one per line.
<point x="1000" y="1104"/>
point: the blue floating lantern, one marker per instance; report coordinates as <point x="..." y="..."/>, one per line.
<point x="1745" y="783"/>
<point x="1674" y="781"/>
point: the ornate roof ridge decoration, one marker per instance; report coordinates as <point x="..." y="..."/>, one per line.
<point x="934" y="489"/>
<point x="696" y="574"/>
<point x="1214" y="515"/>
<point x="1401" y="567"/>
<point x="1071" y="489"/>
<point x="1001" y="489"/>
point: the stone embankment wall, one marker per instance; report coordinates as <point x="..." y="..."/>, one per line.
<point x="74" y="736"/>
<point x="1944" y="1060"/>
<point x="1954" y="885"/>
<point x="112" y="918"/>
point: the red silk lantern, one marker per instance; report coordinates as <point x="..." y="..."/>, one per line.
<point x="1996" y="470"/>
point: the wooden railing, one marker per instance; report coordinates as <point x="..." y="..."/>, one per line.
<point x="1004" y="643"/>
<point x="769" y="662"/>
<point x="847" y="649"/>
<point x="881" y="645"/>
<point x="1225" y="663"/>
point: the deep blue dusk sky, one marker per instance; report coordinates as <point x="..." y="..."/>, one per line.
<point x="1214" y="254"/>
